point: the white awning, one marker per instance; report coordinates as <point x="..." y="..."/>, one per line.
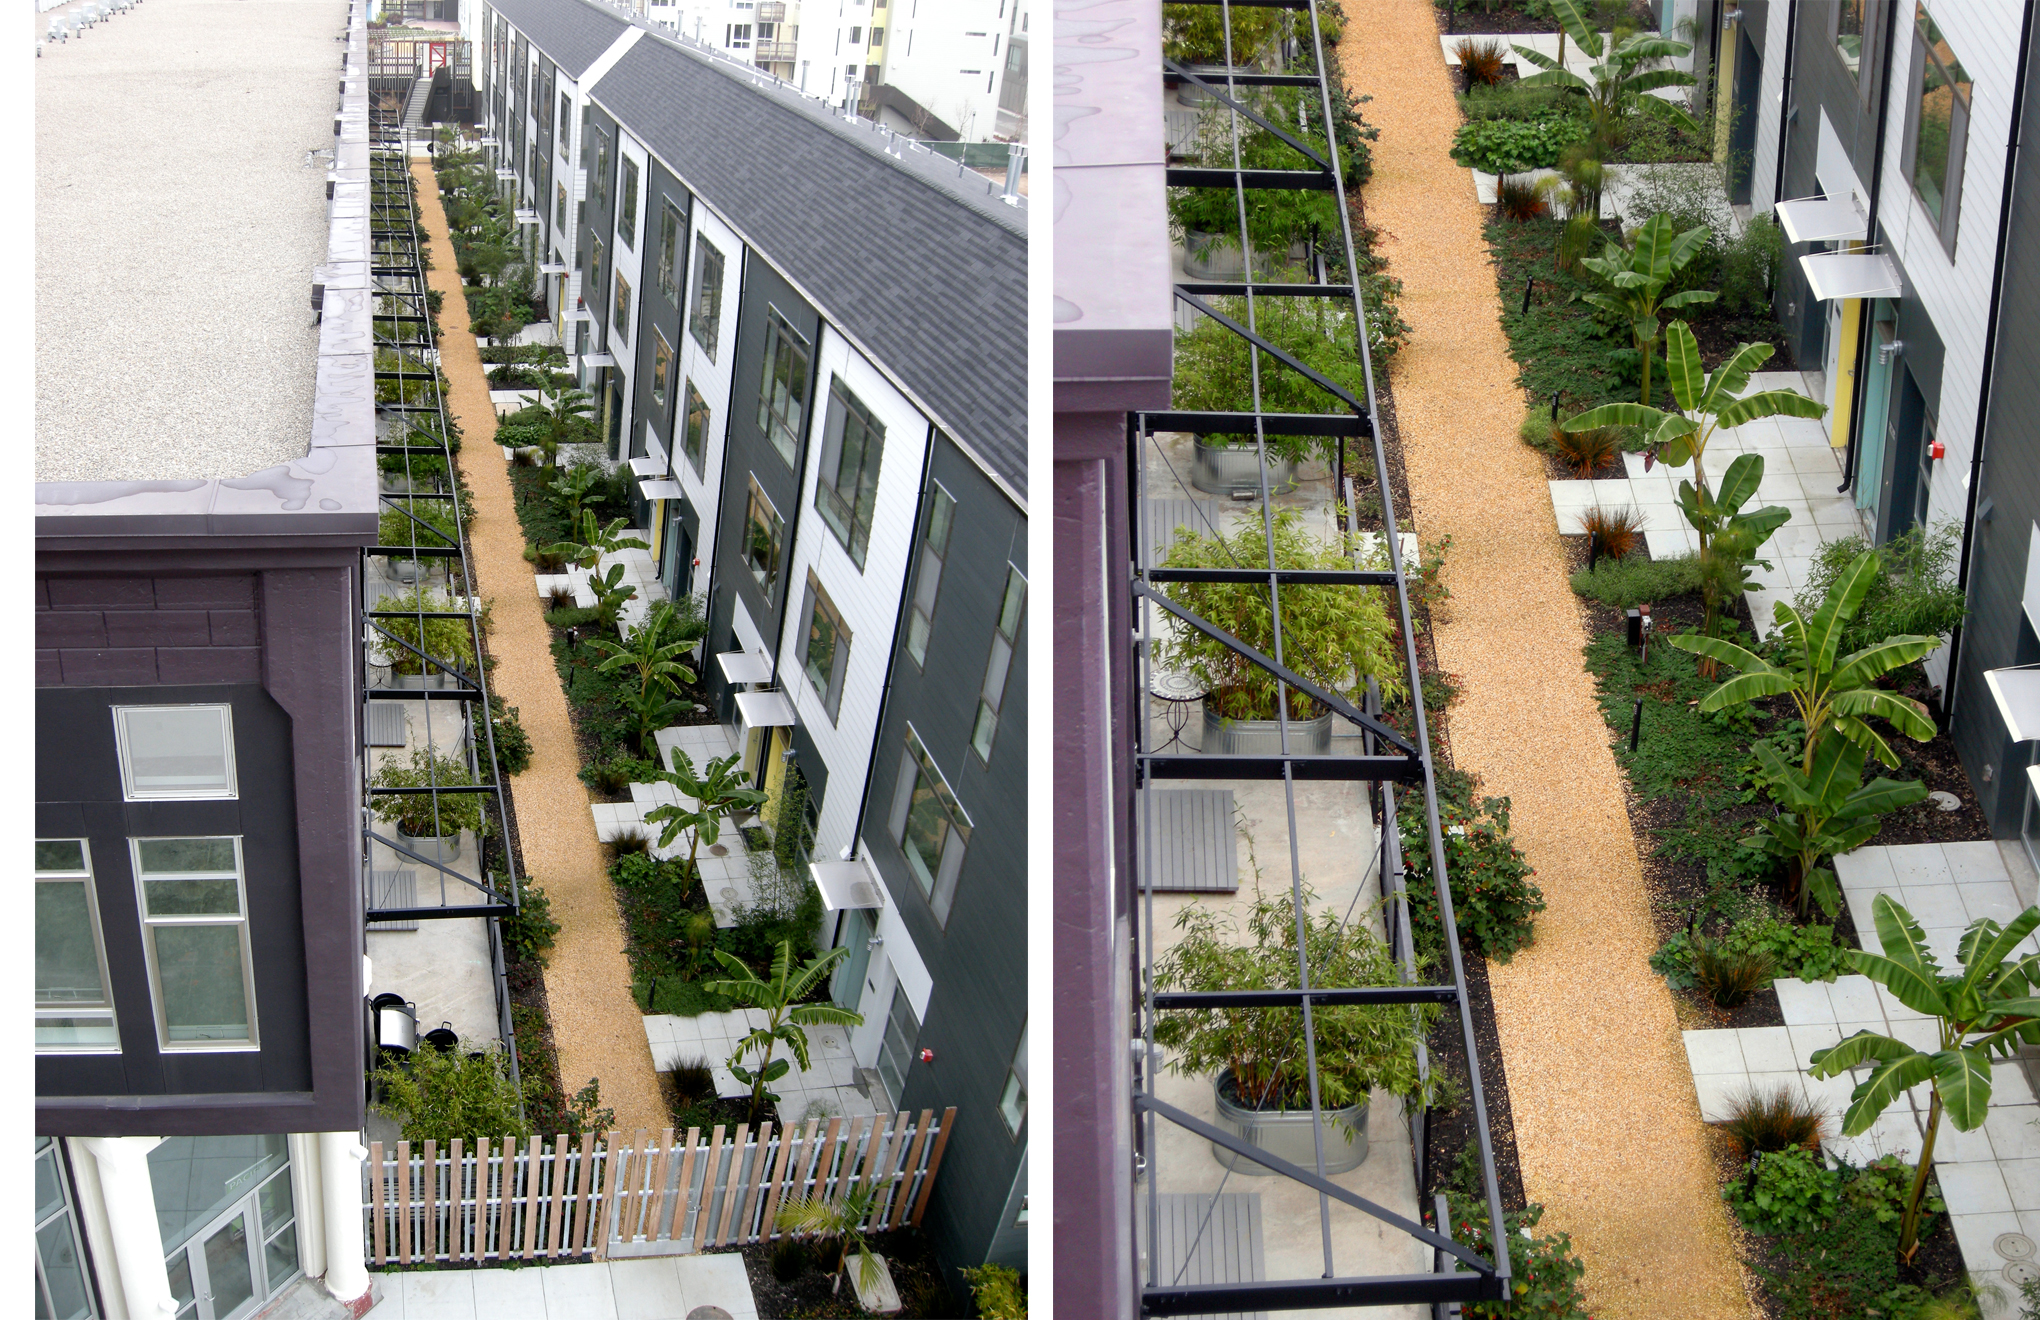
<point x="651" y="465"/>
<point x="661" y="490"/>
<point x="596" y="359"/>
<point x="1851" y="275"/>
<point x="743" y="667"/>
<point x="846" y="885"/>
<point x="2018" y="699"/>
<point x="765" y="710"/>
<point x="1822" y="220"/>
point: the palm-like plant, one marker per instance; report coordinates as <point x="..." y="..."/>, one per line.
<point x="596" y="540"/>
<point x="1837" y="696"/>
<point x="842" y="1222"/>
<point x="1986" y="1008"/>
<point x="779" y="998"/>
<point x="566" y="410"/>
<point x="1825" y="812"/>
<point x="1622" y="81"/>
<point x="656" y="659"/>
<point x="716" y="792"/>
<point x="1636" y="280"/>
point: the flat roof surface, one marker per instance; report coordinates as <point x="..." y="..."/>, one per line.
<point x="181" y="158"/>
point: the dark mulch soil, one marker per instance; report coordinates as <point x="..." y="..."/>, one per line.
<point x="1480" y="16"/>
<point x="1555" y="469"/>
<point x="1719" y="334"/>
<point x="808" y="1295"/>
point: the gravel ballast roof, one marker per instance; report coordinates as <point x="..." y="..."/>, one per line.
<point x="181" y="158"/>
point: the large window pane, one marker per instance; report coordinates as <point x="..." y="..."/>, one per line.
<point x="59" y="854"/>
<point x="198" y="970"/>
<point x="847" y="491"/>
<point x="66" y="945"/>
<point x="192" y="898"/>
<point x="1943" y="109"/>
<point x="176" y="751"/>
<point x="63" y="1271"/>
<point x="782" y="394"/>
<point x="165" y="856"/>
<point x="195" y="1178"/>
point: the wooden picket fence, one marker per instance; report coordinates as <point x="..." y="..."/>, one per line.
<point x="643" y="1196"/>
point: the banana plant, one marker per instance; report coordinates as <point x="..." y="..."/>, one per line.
<point x="779" y="998"/>
<point x="1729" y="538"/>
<point x="571" y="489"/>
<point x="565" y="410"/>
<point x="1827" y="811"/>
<point x="596" y="540"/>
<point x="1987" y="1007"/>
<point x="1835" y="696"/>
<point x="717" y="791"/>
<point x="1709" y="401"/>
<point x="656" y="702"/>
<point x="1636" y="278"/>
<point x="1623" y="80"/>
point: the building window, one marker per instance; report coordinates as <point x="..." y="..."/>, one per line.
<point x="61" y="1292"/>
<point x="762" y="528"/>
<point x="619" y="314"/>
<point x="73" y="1009"/>
<point x="669" y="249"/>
<point x="175" y="752"/>
<point x="694" y="439"/>
<point x="782" y="396"/>
<point x="1013" y="1099"/>
<point x="930" y="826"/>
<point x="626" y="215"/>
<point x="737" y="36"/>
<point x="1940" y="125"/>
<point x="928" y="585"/>
<point x="195" y="939"/>
<point x="560" y="214"/>
<point x="857" y="36"/>
<point x="896" y="1051"/>
<point x="1847" y="20"/>
<point x="877" y="37"/>
<point x="599" y="183"/>
<point x="1004" y="638"/>
<point x="662" y="363"/>
<point x="828" y="647"/>
<point x="595" y="266"/>
<point x="705" y="318"/>
<point x="846" y="491"/>
<point x="566" y="122"/>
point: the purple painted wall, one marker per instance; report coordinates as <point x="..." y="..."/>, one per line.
<point x="1112" y="350"/>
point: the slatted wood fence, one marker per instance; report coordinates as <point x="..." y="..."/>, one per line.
<point x="483" y="1200"/>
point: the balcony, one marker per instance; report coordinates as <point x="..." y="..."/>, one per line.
<point x="771" y="11"/>
<point x="773" y="52"/>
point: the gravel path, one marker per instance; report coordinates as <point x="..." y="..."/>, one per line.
<point x="596" y="1024"/>
<point x="1606" y="1120"/>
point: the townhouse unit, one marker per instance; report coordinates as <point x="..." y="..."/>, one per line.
<point x="830" y="447"/>
<point x="199" y="946"/>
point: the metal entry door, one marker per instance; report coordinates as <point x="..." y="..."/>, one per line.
<point x="235" y="1264"/>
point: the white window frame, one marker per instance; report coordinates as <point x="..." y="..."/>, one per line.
<point x="98" y="947"/>
<point x="984" y="730"/>
<point x="938" y="888"/>
<point x="130" y="793"/>
<point x="240" y="922"/>
<point x="1016" y="1075"/>
<point x="928" y="583"/>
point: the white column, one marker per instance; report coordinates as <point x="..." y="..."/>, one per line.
<point x="123" y="1164"/>
<point x="340" y="1157"/>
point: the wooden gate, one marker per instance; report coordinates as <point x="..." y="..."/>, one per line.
<point x="541" y="1200"/>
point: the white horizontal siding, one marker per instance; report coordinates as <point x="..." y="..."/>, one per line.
<point x="1770" y="109"/>
<point x="711" y="379"/>
<point x="869" y="600"/>
<point x="629" y="261"/>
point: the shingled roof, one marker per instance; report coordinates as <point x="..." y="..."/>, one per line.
<point x="571" y="34"/>
<point x="919" y="262"/>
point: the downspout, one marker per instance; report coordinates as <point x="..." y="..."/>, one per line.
<point x="1990" y="341"/>
<point x="1890" y="39"/>
<point x="1785" y="102"/>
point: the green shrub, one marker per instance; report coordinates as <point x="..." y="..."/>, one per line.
<point x="424" y="815"/>
<point x="513" y="744"/>
<point x="449" y="641"/>
<point x="1001" y="1293"/>
<point x="1805" y="952"/>
<point x="577" y="617"/>
<point x="1844" y="1261"/>
<point x="443" y="1094"/>
<point x="1914" y="593"/>
<point x="1748" y="265"/>
<point x="1514" y="146"/>
<point x="1626" y="583"/>
<point x="1786" y="1191"/>
<point x="398" y="525"/>
<point x="1545" y="1272"/>
<point x="1517" y="102"/>
<point x="530" y="931"/>
<point x="1493" y="898"/>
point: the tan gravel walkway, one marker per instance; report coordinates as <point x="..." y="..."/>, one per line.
<point x="596" y="1023"/>
<point x="1605" y="1114"/>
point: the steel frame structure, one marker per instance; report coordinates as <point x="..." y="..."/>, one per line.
<point x="1389" y="758"/>
<point x="414" y="424"/>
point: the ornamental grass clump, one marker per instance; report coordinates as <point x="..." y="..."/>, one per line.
<point x="1587" y="452"/>
<point x="1481" y="61"/>
<point x="1612" y="533"/>
<point x="1778" y="1119"/>
<point x="1728" y="977"/>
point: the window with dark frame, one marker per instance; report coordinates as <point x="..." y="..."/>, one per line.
<point x="827" y="653"/>
<point x="928" y="583"/>
<point x="62" y="1290"/>
<point x="762" y="529"/>
<point x="695" y="436"/>
<point x="662" y="364"/>
<point x="626" y="213"/>
<point x="619" y="311"/>
<point x="73" y="998"/>
<point x="1004" y="638"/>
<point x="599" y="177"/>
<point x="1846" y="18"/>
<point x="846" y="488"/>
<point x="705" y="316"/>
<point x="782" y="395"/>
<point x="669" y="249"/>
<point x="1938" y="128"/>
<point x="930" y="826"/>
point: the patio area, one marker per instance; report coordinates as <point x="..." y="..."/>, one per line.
<point x="640" y="571"/>
<point x="1801" y="471"/>
<point x="654" y="1288"/>
<point x="1990" y="1178"/>
<point x="828" y="1088"/>
<point x="725" y="865"/>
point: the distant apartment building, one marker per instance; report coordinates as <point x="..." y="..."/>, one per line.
<point x="955" y="70"/>
<point x="199" y="517"/>
<point x="833" y="451"/>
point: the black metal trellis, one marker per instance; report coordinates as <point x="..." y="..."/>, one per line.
<point x="414" y="426"/>
<point x="1389" y="758"/>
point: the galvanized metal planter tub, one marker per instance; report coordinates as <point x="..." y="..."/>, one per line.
<point x="1286" y="1134"/>
<point x="1223" y="469"/>
<point x="1224" y="737"/>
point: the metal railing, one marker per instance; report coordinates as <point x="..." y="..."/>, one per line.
<point x="1388" y="758"/>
